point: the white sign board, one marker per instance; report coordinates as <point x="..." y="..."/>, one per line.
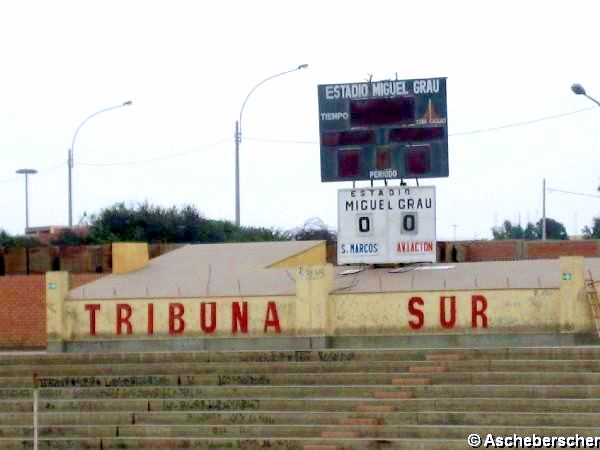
<point x="391" y="224"/>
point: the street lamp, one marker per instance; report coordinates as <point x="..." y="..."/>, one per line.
<point x="238" y="139"/>
<point x="70" y="160"/>
<point x="26" y="172"/>
<point x="579" y="90"/>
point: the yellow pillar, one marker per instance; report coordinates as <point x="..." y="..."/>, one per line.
<point x="129" y="256"/>
<point x="313" y="310"/>
<point x="575" y="313"/>
<point x="57" y="286"/>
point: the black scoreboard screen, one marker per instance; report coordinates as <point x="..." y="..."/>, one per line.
<point x="383" y="130"/>
<point x="382" y="112"/>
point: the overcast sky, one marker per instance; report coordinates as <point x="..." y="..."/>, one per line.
<point x="187" y="66"/>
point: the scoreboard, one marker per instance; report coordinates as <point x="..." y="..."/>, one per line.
<point x="383" y="130"/>
<point x="386" y="225"/>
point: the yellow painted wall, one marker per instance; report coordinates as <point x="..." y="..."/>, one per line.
<point x="57" y="286"/>
<point x="316" y="255"/>
<point x="314" y="311"/>
<point x="129" y="256"/>
<point x="519" y="311"/>
<point x="106" y="318"/>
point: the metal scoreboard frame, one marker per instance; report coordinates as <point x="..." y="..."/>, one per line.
<point x="391" y="224"/>
<point x="389" y="129"/>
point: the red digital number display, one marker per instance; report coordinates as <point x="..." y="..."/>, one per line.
<point x="382" y="111"/>
<point x="383" y="158"/>
<point x="417" y="160"/>
<point x="349" y="163"/>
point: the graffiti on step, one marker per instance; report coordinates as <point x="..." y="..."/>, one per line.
<point x="211" y="405"/>
<point x="90" y="381"/>
<point x="300" y="356"/>
<point x="132" y="392"/>
<point x="234" y="418"/>
<point x="256" y="380"/>
<point x="336" y="356"/>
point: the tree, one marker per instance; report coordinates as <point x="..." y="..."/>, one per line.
<point x="69" y="237"/>
<point x="554" y="230"/>
<point x="313" y="229"/>
<point x="508" y="231"/>
<point x="531" y="232"/>
<point x="594" y="232"/>
<point x="150" y="223"/>
<point x="8" y="241"/>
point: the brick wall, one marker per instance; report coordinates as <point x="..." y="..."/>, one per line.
<point x="23" y="306"/>
<point x="79" y="279"/>
<point x="515" y="249"/>
<point x="493" y="251"/>
<point x="554" y="249"/>
<point x="72" y="258"/>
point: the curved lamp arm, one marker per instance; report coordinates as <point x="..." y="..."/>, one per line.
<point x="301" y="66"/>
<point x="127" y="103"/>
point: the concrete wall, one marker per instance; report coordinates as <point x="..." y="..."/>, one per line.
<point x="316" y="312"/>
<point x="210" y="317"/>
<point x="313" y="256"/>
<point x="129" y="256"/>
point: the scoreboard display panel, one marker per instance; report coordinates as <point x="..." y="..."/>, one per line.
<point x="386" y="225"/>
<point x="383" y="130"/>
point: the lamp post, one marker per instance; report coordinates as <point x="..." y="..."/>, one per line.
<point x="238" y="139"/>
<point x="26" y="172"/>
<point x="455" y="226"/>
<point x="543" y="209"/>
<point x="579" y="90"/>
<point x="70" y="160"/>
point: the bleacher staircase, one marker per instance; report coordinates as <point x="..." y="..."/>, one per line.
<point x="305" y="400"/>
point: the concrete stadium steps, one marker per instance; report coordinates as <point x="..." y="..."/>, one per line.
<point x="292" y="392"/>
<point x="239" y="444"/>
<point x="332" y="355"/>
<point x="304" y="418"/>
<point x="590" y="405"/>
<point x="309" y="400"/>
<point x="414" y="367"/>
<point x="399" y="378"/>
<point x="282" y="431"/>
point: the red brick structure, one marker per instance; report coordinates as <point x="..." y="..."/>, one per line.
<point x="515" y="249"/>
<point x="23" y="306"/>
<point x="23" y="318"/>
<point x="555" y="249"/>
